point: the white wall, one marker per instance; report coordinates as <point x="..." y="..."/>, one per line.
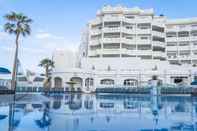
<point x="64" y="60"/>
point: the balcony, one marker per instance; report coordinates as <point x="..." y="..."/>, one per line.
<point x="193" y="38"/>
<point x="142" y="42"/>
<point x="112" y="19"/>
<point x="184" y="47"/>
<point x="172" y="57"/>
<point x="110" y="51"/>
<point x="194" y="47"/>
<point x="111" y="30"/>
<point x="143" y="52"/>
<point x="184" y="39"/>
<point x="143" y="31"/>
<point x="157" y="43"/>
<point x="93" y="53"/>
<point x="186" y="28"/>
<point x="171" y="48"/>
<point x="128" y="41"/>
<point x="174" y="29"/>
<point x="128" y="31"/>
<point x="184" y="57"/>
<point x="95" y="42"/>
<point x="96" y="21"/>
<point x="171" y="39"/>
<point x="95" y="32"/>
<point x="111" y="40"/>
<point x="160" y="34"/>
<point x="159" y="54"/>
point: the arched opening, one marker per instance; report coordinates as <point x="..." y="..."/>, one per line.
<point x="58" y="82"/>
<point x="57" y="104"/>
<point x="179" y="80"/>
<point x="130" y="83"/>
<point x="107" y="82"/>
<point x="78" y="82"/>
<point x="75" y="102"/>
<point x="89" y="82"/>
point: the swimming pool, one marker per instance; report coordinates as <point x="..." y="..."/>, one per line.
<point x="100" y="112"/>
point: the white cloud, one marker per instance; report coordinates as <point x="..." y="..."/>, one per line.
<point x="3" y="35"/>
<point x="45" y="35"/>
<point x="52" y="42"/>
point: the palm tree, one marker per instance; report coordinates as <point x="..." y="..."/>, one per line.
<point x="17" y="24"/>
<point x="48" y="64"/>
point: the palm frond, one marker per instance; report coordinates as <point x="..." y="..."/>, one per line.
<point x="10" y="28"/>
<point x="11" y="16"/>
<point x="18" y="23"/>
<point x="46" y="62"/>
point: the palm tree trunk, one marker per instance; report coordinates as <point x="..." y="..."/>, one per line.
<point x="15" y="66"/>
<point x="47" y="76"/>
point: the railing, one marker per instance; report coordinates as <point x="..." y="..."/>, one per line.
<point x="46" y="90"/>
<point x="146" y="90"/>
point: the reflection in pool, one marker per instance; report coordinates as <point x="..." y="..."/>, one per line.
<point x="101" y="112"/>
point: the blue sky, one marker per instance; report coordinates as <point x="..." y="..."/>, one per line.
<point x="58" y="24"/>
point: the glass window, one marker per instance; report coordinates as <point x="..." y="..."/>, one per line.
<point x="107" y="82"/>
<point x="171" y="34"/>
<point x="183" y="34"/>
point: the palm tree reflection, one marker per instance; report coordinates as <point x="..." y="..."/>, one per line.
<point x="45" y="121"/>
<point x="75" y="102"/>
<point x="13" y="123"/>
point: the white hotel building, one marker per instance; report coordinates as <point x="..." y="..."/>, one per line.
<point x="125" y="47"/>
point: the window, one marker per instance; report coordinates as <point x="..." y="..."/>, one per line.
<point x="157" y="28"/>
<point x="194" y="52"/>
<point x="95" y="37"/>
<point x="171" y="34"/>
<point x="130" y="82"/>
<point x="95" y="47"/>
<point x="127" y="25"/>
<point x="111" y="55"/>
<point x="130" y="16"/>
<point x="144" y="26"/>
<point x="160" y="39"/>
<point x="127" y="36"/>
<point x="98" y="26"/>
<point x="194" y="25"/>
<point x="144" y="47"/>
<point x="144" y="38"/>
<point x="194" y="43"/>
<point x="112" y="35"/>
<point x="112" y="24"/>
<point x="183" y="34"/>
<point x="129" y="47"/>
<point x="89" y="82"/>
<point x="111" y="46"/>
<point x="194" y="33"/>
<point x="184" y="53"/>
<point x="145" y="57"/>
<point x="157" y="48"/>
<point x="107" y="82"/>
<point x="185" y="43"/>
<point x="171" y="44"/>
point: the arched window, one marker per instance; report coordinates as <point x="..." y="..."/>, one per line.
<point x="107" y="82"/>
<point x="58" y="82"/>
<point x="89" y="82"/>
<point x="78" y="81"/>
<point x="130" y="82"/>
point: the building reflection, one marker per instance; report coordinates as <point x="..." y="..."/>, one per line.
<point x="75" y="112"/>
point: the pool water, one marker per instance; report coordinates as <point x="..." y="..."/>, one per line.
<point x="101" y="112"/>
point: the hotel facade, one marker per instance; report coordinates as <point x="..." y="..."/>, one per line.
<point x="125" y="47"/>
